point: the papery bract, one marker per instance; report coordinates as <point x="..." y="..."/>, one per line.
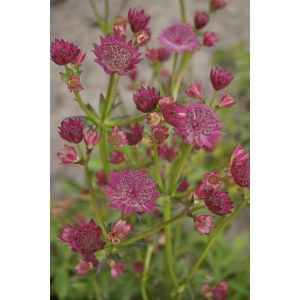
<point x="143" y="36"/>
<point x="120" y="29"/>
<point x="174" y="114"/>
<point x="159" y="133"/>
<point x="79" y="58"/>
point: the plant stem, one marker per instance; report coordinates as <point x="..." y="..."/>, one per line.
<point x="109" y="98"/>
<point x="103" y="152"/>
<point x="182" y="10"/>
<point x="212" y="239"/>
<point x="168" y="245"/>
<point x="126" y="122"/>
<point x="94" y="9"/>
<point x="106" y="12"/>
<point x="175" y="59"/>
<point x="156" y="165"/>
<point x="213" y="99"/>
<point x="156" y="228"/>
<point x="145" y="275"/>
<point x="94" y="202"/>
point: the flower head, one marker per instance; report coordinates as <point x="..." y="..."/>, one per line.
<point x="101" y="178"/>
<point x="83" y="267"/>
<point x="143" y="36"/>
<point x="132" y="191"/>
<point x="220" y="291"/>
<point x="204" y="224"/>
<point x="179" y="38"/>
<point x="201" y="127"/>
<point x="116" y="55"/>
<point x="218" y="202"/>
<point x="201" y="19"/>
<point x="120" y="29"/>
<point x="158" y="55"/>
<point x="167" y="153"/>
<point x="227" y="101"/>
<point x="138" y="267"/>
<point x="63" y="53"/>
<point x="68" y="155"/>
<point x="153" y="119"/>
<point x="217" y="4"/>
<point x="220" y="78"/>
<point x="174" y="114"/>
<point x="134" y="134"/>
<point x="120" y="230"/>
<point x="183" y="186"/>
<point x="209" y="39"/>
<point x="117" y="138"/>
<point x="117" y="269"/>
<point x="72" y="130"/>
<point x="116" y="157"/>
<point x="137" y="19"/>
<point x="211" y="180"/>
<point x="91" y="137"/>
<point x="79" y="58"/>
<point x="74" y="84"/>
<point x="195" y="90"/>
<point x="146" y="99"/>
<point x="159" y="133"/>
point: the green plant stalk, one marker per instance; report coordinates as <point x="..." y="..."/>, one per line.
<point x="145" y="274"/>
<point x="109" y="98"/>
<point x="156" y="166"/>
<point x="178" y="167"/>
<point x="175" y="59"/>
<point x="103" y="152"/>
<point x="168" y="245"/>
<point x="94" y="202"/>
<point x="126" y="122"/>
<point x="182" y="10"/>
<point x="94" y="9"/>
<point x="156" y="228"/>
<point x="213" y="99"/>
<point x="106" y="12"/>
<point x="212" y="239"/>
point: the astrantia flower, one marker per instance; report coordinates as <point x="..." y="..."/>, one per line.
<point x="174" y="114"/>
<point x="138" y="267"/>
<point x="167" y="153"/>
<point x="120" y="29"/>
<point x="84" y="238"/>
<point x="227" y="101"/>
<point x="117" y="138"/>
<point x="134" y="134"/>
<point x="220" y="78"/>
<point x="201" y="19"/>
<point x="132" y="191"/>
<point x="153" y="119"/>
<point x="116" y="157"/>
<point x="120" y="230"/>
<point x="179" y="38"/>
<point x="204" y="224"/>
<point x="240" y="167"/>
<point x="116" y="55"/>
<point x="143" y="36"/>
<point x="218" y="202"/>
<point x="159" y="133"/>
<point x="68" y="155"/>
<point x="63" y="53"/>
<point x="72" y="130"/>
<point x="74" y="84"/>
<point x="117" y="269"/>
<point x="91" y="137"/>
<point x="137" y="19"/>
<point x="79" y="58"/>
<point x="183" y="186"/>
<point x="101" y="178"/>
<point x="211" y="180"/>
<point x="158" y="55"/>
<point x="83" y="267"/>
<point x="217" y="4"/>
<point x="220" y="291"/>
<point x="195" y="90"/>
<point x="201" y="127"/>
<point x="209" y="39"/>
<point x="146" y="99"/>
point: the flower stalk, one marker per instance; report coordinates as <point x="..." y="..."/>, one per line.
<point x="145" y="274"/>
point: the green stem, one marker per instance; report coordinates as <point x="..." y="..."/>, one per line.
<point x="213" y="99"/>
<point x="106" y="12"/>
<point x="156" y="166"/>
<point x="94" y="202"/>
<point x="212" y="239"/>
<point x="145" y="275"/>
<point x="109" y="98"/>
<point x="182" y="10"/>
<point x="156" y="228"/>
<point x="103" y="152"/>
<point x="126" y="122"/>
<point x="94" y="9"/>
<point x="178" y="167"/>
<point x="175" y="59"/>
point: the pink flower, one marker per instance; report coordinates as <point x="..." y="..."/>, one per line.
<point x="203" y="224"/>
<point x="152" y="55"/>
<point x="117" y="138"/>
<point x="91" y="137"/>
<point x="195" y="90"/>
<point x="74" y="84"/>
<point x="183" y="186"/>
<point x="209" y="39"/>
<point x="72" y="130"/>
<point x="68" y="155"/>
<point x="134" y="134"/>
<point x="84" y="239"/>
<point x="165" y="101"/>
<point x="179" y="38"/>
<point x="101" y="178"/>
<point x="220" y="78"/>
<point x="159" y="133"/>
<point x="174" y="114"/>
<point x="153" y="119"/>
<point x="167" y="153"/>
<point x="138" y="267"/>
<point x="132" y="191"/>
<point x="143" y="36"/>
<point x="79" y="58"/>
<point x="137" y="19"/>
<point x="116" y="55"/>
<point x="201" y="127"/>
<point x="211" y="180"/>
<point x="120" y="29"/>
<point x="217" y="4"/>
<point x="146" y="99"/>
<point x="117" y="269"/>
<point x="63" y="53"/>
<point x="201" y="19"/>
<point x="116" y="157"/>
<point x="220" y="291"/>
<point x="83" y="267"/>
<point x="227" y="101"/>
<point x="120" y="230"/>
<point x="240" y="167"/>
<point x="218" y="202"/>
<point x="163" y="54"/>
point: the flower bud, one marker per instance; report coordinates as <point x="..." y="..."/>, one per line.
<point x="143" y="37"/>
<point x="209" y="39"/>
<point x="68" y="155"/>
<point x="201" y="19"/>
<point x="74" y="84"/>
<point x="120" y="29"/>
<point x="91" y="137"/>
<point x="227" y="101"/>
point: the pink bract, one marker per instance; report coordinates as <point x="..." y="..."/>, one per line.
<point x="91" y="137"/>
<point x="179" y="38"/>
<point x="68" y="155"/>
<point x="137" y="19"/>
<point x="201" y="127"/>
<point x="131" y="191"/>
<point x="63" y="53"/>
<point x="204" y="224"/>
<point x="218" y="202"/>
<point x="227" y="101"/>
<point x="220" y="78"/>
<point x="116" y="55"/>
<point x="72" y="130"/>
<point x="146" y="99"/>
<point x="134" y="134"/>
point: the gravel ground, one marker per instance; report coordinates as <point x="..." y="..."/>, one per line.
<point x="72" y="19"/>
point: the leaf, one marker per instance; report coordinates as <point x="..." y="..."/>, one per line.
<point x="61" y="283"/>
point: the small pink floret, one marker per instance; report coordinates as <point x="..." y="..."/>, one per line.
<point x="68" y="155"/>
<point x="204" y="224"/>
<point x="91" y="137"/>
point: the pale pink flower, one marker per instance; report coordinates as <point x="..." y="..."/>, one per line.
<point x="143" y="36"/>
<point x="117" y="269"/>
<point x="227" y="101"/>
<point x="120" y="230"/>
<point x="204" y="224"/>
<point x="83" y="267"/>
<point x="74" y="84"/>
<point x="117" y="138"/>
<point x="195" y="90"/>
<point x="153" y="119"/>
<point x="91" y="137"/>
<point x="68" y="155"/>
